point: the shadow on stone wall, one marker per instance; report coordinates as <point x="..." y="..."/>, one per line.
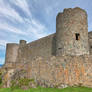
<point x="53" y="52"/>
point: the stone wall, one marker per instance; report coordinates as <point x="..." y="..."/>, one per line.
<point x="44" y="47"/>
<point x="72" y="32"/>
<point x="11" y="52"/>
<point x="41" y="58"/>
<point x="59" y="71"/>
<point x="66" y="70"/>
<point x="90" y="42"/>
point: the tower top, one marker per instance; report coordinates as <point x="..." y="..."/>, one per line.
<point x="22" y="42"/>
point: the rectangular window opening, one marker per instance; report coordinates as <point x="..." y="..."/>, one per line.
<point x="91" y="47"/>
<point x="59" y="48"/>
<point x="77" y="35"/>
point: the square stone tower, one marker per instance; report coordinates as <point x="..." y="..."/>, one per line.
<point x="72" y="32"/>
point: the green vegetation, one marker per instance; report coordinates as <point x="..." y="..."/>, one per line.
<point x="69" y="89"/>
<point x="25" y="82"/>
<point x="21" y="82"/>
<point x="1" y="83"/>
<point x="0" y="80"/>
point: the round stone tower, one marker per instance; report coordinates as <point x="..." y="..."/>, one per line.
<point x="72" y="32"/>
<point x="11" y="53"/>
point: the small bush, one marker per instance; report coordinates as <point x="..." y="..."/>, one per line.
<point x="24" y="82"/>
<point x="0" y="78"/>
<point x="14" y="85"/>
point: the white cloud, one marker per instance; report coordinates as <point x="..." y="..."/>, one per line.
<point x="6" y="10"/>
<point x="23" y="5"/>
<point x="3" y="43"/>
<point x="37" y="34"/>
<point x="36" y="28"/>
<point x="9" y="28"/>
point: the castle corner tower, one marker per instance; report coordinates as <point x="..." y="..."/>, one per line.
<point x="72" y="32"/>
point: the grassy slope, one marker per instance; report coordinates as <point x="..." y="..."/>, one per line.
<point x="70" y="89"/>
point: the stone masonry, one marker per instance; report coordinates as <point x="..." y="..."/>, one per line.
<point x="60" y="59"/>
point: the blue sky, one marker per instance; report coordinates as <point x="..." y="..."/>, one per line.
<point x="33" y="19"/>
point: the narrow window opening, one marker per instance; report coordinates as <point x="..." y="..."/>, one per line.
<point x="91" y="47"/>
<point x="59" y="48"/>
<point x="77" y="36"/>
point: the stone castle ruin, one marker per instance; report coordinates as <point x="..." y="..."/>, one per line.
<point x="63" y="58"/>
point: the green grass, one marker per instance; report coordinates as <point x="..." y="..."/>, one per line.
<point x="69" y="89"/>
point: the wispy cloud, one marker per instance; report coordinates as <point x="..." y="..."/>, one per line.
<point x="36" y="28"/>
<point x="9" y="28"/>
<point x="22" y="27"/>
<point x="3" y="43"/>
<point x="7" y="11"/>
<point x="23" y="5"/>
<point x="33" y="25"/>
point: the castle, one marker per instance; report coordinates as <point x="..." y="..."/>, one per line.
<point x="71" y="38"/>
<point x="68" y="51"/>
